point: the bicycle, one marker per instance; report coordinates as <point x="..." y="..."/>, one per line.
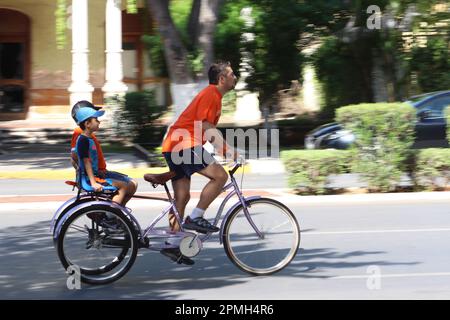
<point x="260" y="235"/>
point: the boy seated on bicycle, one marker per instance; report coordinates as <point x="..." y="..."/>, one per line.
<point x="87" y="148"/>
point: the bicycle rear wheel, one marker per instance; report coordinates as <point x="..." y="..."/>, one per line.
<point x="101" y="241"/>
<point x="268" y="252"/>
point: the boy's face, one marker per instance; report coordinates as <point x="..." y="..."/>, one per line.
<point x="92" y="124"/>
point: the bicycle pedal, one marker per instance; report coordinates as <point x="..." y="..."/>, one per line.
<point x="144" y="243"/>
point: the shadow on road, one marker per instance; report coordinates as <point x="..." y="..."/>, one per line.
<point x="30" y="269"/>
<point x="31" y="161"/>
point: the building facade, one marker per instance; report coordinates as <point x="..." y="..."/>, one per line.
<point x="104" y="55"/>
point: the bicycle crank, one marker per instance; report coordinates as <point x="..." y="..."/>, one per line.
<point x="190" y="245"/>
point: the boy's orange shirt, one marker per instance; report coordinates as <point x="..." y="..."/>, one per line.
<point x="206" y="106"/>
<point x="101" y="159"/>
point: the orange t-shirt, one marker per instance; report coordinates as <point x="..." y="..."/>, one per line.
<point x="101" y="159"/>
<point x="185" y="133"/>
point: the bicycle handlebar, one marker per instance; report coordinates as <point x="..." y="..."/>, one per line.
<point x="236" y="166"/>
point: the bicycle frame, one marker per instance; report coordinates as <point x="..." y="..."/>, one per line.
<point x="149" y="231"/>
<point x="172" y="207"/>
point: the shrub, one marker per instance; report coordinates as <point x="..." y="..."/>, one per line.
<point x="432" y="171"/>
<point x="385" y="133"/>
<point x="134" y="115"/>
<point x="308" y="170"/>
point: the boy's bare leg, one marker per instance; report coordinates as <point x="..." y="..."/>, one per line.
<point x="181" y="189"/>
<point x="121" y="192"/>
<point x="218" y="177"/>
<point x="131" y="190"/>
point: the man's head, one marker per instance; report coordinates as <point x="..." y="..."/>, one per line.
<point x="221" y="74"/>
<point x="87" y="118"/>
<point x="82" y="104"/>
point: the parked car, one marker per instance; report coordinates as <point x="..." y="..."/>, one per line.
<point x="430" y="126"/>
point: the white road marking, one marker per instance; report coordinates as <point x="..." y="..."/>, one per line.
<point x="376" y="231"/>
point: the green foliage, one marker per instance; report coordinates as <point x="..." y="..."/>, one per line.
<point x="432" y="64"/>
<point x="432" y="171"/>
<point x="342" y="77"/>
<point x="61" y="18"/>
<point x="277" y="59"/>
<point x="308" y="170"/>
<point x="155" y="48"/>
<point x="132" y="6"/>
<point x="345" y="68"/>
<point x="229" y="103"/>
<point x="179" y="11"/>
<point x="135" y="114"/>
<point x="227" y="36"/>
<point x="385" y="133"/>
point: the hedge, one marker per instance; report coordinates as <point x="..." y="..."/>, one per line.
<point x="308" y="170"/>
<point x="432" y="169"/>
<point x="385" y="134"/>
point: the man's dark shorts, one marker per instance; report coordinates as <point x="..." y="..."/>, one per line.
<point x="188" y="161"/>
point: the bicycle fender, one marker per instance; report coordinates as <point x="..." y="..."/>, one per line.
<point x="237" y="204"/>
<point x="60" y="210"/>
<point x="85" y="205"/>
<point x="64" y="207"/>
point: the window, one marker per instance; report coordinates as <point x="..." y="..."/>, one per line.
<point x="435" y="107"/>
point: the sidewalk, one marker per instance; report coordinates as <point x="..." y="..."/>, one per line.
<point x="56" y="166"/>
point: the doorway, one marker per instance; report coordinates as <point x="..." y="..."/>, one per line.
<point x="14" y="64"/>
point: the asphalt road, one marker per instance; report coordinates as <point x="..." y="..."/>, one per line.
<point x="349" y="250"/>
<point x="34" y="186"/>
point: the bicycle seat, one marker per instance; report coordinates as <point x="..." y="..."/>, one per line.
<point x="160" y="178"/>
<point x="107" y="185"/>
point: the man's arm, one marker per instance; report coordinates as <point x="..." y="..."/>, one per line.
<point x="215" y="137"/>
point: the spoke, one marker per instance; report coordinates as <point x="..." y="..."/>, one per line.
<point x="278" y="226"/>
<point x="81" y="229"/>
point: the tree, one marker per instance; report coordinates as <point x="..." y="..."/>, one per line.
<point x="380" y="48"/>
<point x="202" y="22"/>
<point x="282" y="30"/>
<point x="175" y="51"/>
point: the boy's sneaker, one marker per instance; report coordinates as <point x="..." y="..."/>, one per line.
<point x="112" y="226"/>
<point x="96" y="216"/>
<point x="175" y="255"/>
<point x="199" y="224"/>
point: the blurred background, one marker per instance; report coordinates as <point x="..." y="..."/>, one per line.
<point x="298" y="62"/>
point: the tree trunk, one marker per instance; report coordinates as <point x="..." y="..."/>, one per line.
<point x="193" y="22"/>
<point x="182" y="85"/>
<point x="174" y="50"/>
<point x="379" y="81"/>
<point x="209" y="12"/>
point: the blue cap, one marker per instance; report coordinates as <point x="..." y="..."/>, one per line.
<point x="85" y="113"/>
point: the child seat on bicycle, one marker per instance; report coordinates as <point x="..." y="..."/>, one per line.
<point x="82" y="178"/>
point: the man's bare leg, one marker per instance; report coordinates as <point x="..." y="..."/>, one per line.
<point x="218" y="177"/>
<point x="181" y="189"/>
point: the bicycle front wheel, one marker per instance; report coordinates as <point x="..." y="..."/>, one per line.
<point x="269" y="244"/>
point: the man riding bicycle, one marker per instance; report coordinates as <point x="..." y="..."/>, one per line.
<point x="197" y="124"/>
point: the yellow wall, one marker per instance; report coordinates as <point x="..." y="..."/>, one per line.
<point x="50" y="67"/>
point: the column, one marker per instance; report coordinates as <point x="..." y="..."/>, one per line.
<point x="114" y="67"/>
<point x="80" y="88"/>
<point x="247" y="103"/>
